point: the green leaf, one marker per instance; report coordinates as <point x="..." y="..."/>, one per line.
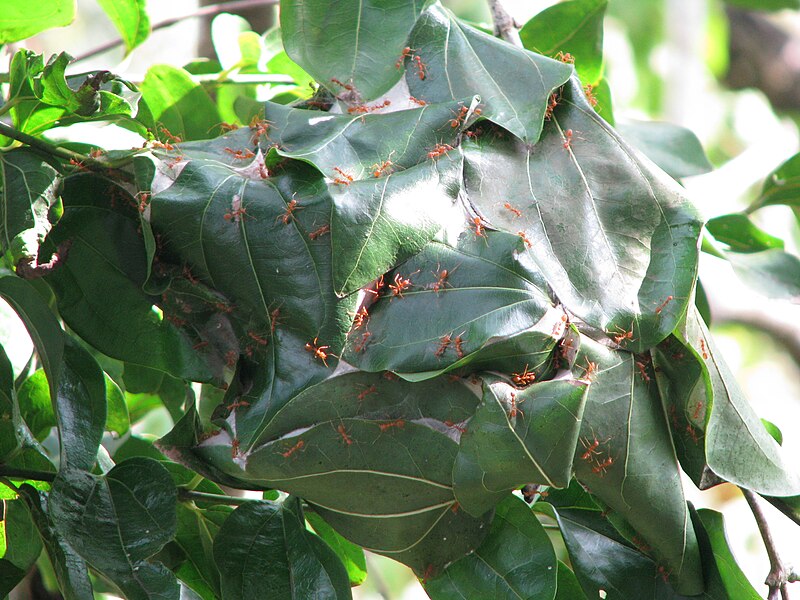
<point x="741" y="234"/>
<point x="673" y="148"/>
<point x="178" y="103"/>
<point x="352" y="556"/>
<point x="117" y="521"/>
<point x="28" y="185"/>
<point x="626" y="459"/>
<point x="773" y="273"/>
<point x="782" y="186"/>
<point x="70" y="569"/>
<point x="23" y="543"/>
<point x="514" y="84"/>
<point x="568" y="586"/>
<point x="726" y="568"/>
<point x="758" y="462"/>
<point x="501" y="450"/>
<point x="264" y="550"/>
<point x="21" y="20"/>
<point x="574" y="27"/>
<point x="130" y="18"/>
<point x="195" y="535"/>
<point x="614" y="237"/>
<point x="99" y="285"/>
<point x="356" y="43"/>
<point x="10" y="576"/>
<point x="765" y="5"/>
<point x="117" y="411"/>
<point x="35" y="406"/>
<point x="491" y="292"/>
<point x="516" y="560"/>
<point x="29" y="114"/>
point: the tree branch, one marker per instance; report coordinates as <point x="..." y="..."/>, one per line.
<point x="185" y="495"/>
<point x="11" y="472"/>
<point x="212" y="9"/>
<point x="504" y="25"/>
<point x="779" y="576"/>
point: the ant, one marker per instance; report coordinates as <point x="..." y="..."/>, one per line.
<point x="703" y="348"/>
<point x="237" y="211"/>
<point x="601" y="468"/>
<point x="363" y="109"/>
<point x="517" y="212"/>
<point x="568" y="138"/>
<point x="642" y="366"/>
<point x="459" y="118"/>
<point x="289" y="214"/>
<point x="379" y="285"/>
<point x="319" y="232"/>
<point x="298" y="446"/>
<point x="260" y="127"/>
<point x="262" y="341"/>
<point x="457" y="426"/>
<point x="515" y="409"/>
<point x="588" y="91"/>
<point x="458" y="346"/>
<point x="239" y="403"/>
<point x="406" y="53"/>
<point x="318" y="351"/>
<point x="346" y="438"/>
<point x="240" y="154"/>
<point x="439" y="150"/>
<point x="591" y="448"/>
<point x="273" y="319"/>
<point x="345" y="178"/>
<point x="523" y="379"/>
<point x="525" y="239"/>
<point x="664" y="304"/>
<point x="421" y="68"/>
<point x="366" y="392"/>
<point x="399" y="423"/>
<point x="400" y="285"/>
<point x="589" y="371"/>
<point x="172" y="138"/>
<point x="362" y="344"/>
<point x="360" y="318"/>
<point x="234" y="448"/>
<point x="477" y="222"/>
<point x="382" y="168"/>
<point x="417" y="101"/>
<point x="620" y="334"/>
<point x="441" y="279"/>
<point x="565" y="57"/>
<point x="444" y="344"/>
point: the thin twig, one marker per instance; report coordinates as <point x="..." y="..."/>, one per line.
<point x="779" y="576"/>
<point x="504" y="25"/>
<point x="185" y="495"/>
<point x="13" y="473"/>
<point x="46" y="146"/>
<point x="211" y="9"/>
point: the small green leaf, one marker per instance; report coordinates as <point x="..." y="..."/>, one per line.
<point x="516" y="560"/>
<point x="782" y="186"/>
<point x="130" y="18"/>
<point x="673" y="148"/>
<point x="35" y="406"/>
<point x="574" y="27"/>
<point x="773" y="273"/>
<point x="23" y="542"/>
<point x="741" y="234"/>
<point x="726" y="569"/>
<point x="568" y="586"/>
<point x="352" y="556"/>
<point x="20" y="19"/>
<point x="117" y="418"/>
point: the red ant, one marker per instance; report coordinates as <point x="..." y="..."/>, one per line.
<point x="517" y="212"/>
<point x="664" y="304"/>
<point x="362" y="109"/>
<point x="379" y="285"/>
<point x="697" y="408"/>
<point x="406" y="53"/>
<point x="459" y="118"/>
<point x="200" y="344"/>
<point x="523" y="379"/>
<point x="231" y="356"/>
<point x="591" y="448"/>
<point x="260" y="127"/>
<point x="457" y="426"/>
<point x="444" y="344"/>
<point x="588" y="90"/>
<point x="226" y="127"/>
<point x="399" y="423"/>
<point x="565" y="57"/>
<point x="525" y="239"/>
<point x="172" y="138"/>
<point x="366" y="392"/>
<point x="457" y="343"/>
<point x="234" y="448"/>
<point x="439" y="150"/>
<point x="273" y="319"/>
<point x="601" y="468"/>
<point x="289" y="214"/>
<point x="692" y="433"/>
<point x="222" y="307"/>
<point x="642" y="366"/>
<point x="240" y="154"/>
<point x="144" y="199"/>
<point x="237" y="211"/>
<point x="345" y="178"/>
<point x="347" y="86"/>
<point x="319" y="232"/>
<point x="78" y="164"/>
<point x="477" y="222"/>
<point x="441" y="279"/>
<point x="515" y="409"/>
<point x="663" y="573"/>
<point x="421" y="68"/>
<point x="703" y="348"/>
<point x="257" y="338"/>
<point x="400" y="285"/>
<point x="389" y="376"/>
<point x="551" y="106"/>
<point x="362" y="344"/>
<point x="382" y="168"/>
<point x="567" y="138"/>
<point x="318" y="351"/>
<point x="360" y="318"/>
<point x="346" y="438"/>
<point x="620" y="334"/>
<point x="298" y="446"/>
<point x="417" y="101"/>
<point x="238" y="404"/>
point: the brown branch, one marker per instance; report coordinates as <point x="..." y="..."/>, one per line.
<point x="504" y="25"/>
<point x="779" y="575"/>
<point x="212" y="9"/>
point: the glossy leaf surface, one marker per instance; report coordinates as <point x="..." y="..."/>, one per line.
<point x="673" y="148"/>
<point x="22" y="19"/>
<point x="130" y="18"/>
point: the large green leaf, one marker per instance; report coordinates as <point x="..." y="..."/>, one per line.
<point x="574" y="28"/>
<point x="741" y="234"/>
<point x="130" y="18"/>
<point x="773" y="273"/>
<point x="195" y="535"/>
<point x="117" y="521"/>
<point x="357" y="43"/>
<point x="518" y="437"/>
<point x="516" y="560"/>
<point x="21" y="19"/>
<point x="28" y="186"/>
<point x="626" y="458"/>
<point x="513" y="84"/>
<point x="264" y="550"/>
<point x="481" y="293"/>
<point x="613" y="236"/>
<point x="672" y="147"/>
<point x="351" y="555"/>
<point x="70" y="569"/>
<point x="23" y="545"/>
<point x="726" y="571"/>
<point x="737" y="446"/>
<point x="99" y="285"/>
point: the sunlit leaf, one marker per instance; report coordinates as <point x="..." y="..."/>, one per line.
<point x="130" y="18"/>
<point x="21" y="19"/>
